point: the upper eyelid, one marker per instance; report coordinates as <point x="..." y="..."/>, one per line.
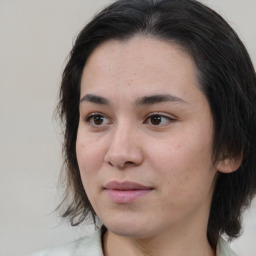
<point x="162" y="114"/>
<point x="96" y="114"/>
<point x="89" y="119"/>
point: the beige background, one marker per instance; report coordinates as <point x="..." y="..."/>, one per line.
<point x="35" y="38"/>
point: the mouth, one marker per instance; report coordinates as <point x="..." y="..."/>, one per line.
<point x="126" y="192"/>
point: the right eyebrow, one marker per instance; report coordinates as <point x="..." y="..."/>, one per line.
<point x="95" y="99"/>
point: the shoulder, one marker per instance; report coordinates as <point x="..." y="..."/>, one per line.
<point x="86" y="246"/>
<point x="223" y="248"/>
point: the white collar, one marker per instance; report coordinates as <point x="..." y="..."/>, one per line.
<point x="223" y="248"/>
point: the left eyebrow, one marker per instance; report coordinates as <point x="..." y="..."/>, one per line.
<point x="154" y="99"/>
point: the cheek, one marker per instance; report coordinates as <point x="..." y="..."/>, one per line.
<point x="88" y="164"/>
<point x="89" y="154"/>
<point x="184" y="161"/>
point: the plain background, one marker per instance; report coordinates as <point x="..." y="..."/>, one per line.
<point x="35" y="38"/>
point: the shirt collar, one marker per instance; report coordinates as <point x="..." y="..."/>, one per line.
<point x="223" y="248"/>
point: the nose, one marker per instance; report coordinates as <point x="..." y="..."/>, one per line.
<point x="124" y="148"/>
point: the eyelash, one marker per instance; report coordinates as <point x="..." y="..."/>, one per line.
<point x="161" y="116"/>
<point x="91" y="119"/>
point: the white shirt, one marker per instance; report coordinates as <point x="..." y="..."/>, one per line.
<point x="92" y="246"/>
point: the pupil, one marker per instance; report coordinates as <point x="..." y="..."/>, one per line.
<point x="98" y="120"/>
<point x="155" y="120"/>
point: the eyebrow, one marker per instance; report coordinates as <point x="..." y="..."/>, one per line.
<point x="95" y="99"/>
<point x="159" y="98"/>
<point x="146" y="100"/>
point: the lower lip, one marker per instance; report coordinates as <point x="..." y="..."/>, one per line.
<point x="126" y="196"/>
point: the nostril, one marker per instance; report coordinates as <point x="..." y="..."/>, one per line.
<point x="129" y="163"/>
<point x="110" y="163"/>
<point x="121" y="165"/>
<point x="126" y="164"/>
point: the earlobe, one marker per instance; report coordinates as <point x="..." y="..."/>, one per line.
<point x="229" y="164"/>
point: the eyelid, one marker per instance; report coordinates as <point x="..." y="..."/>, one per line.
<point x="90" y="115"/>
<point x="169" y="119"/>
<point x="93" y="114"/>
<point x="163" y="115"/>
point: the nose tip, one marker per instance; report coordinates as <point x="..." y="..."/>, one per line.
<point x="124" y="151"/>
<point x="122" y="159"/>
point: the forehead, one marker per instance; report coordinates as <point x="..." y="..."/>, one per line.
<point x="141" y="65"/>
<point x="138" y="52"/>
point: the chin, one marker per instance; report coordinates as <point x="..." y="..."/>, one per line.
<point x="128" y="232"/>
<point x="128" y="228"/>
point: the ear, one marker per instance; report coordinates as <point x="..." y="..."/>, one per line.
<point x="229" y="164"/>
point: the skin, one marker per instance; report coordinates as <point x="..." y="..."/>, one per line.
<point x="171" y="153"/>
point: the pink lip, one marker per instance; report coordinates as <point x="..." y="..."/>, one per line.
<point x="125" y="192"/>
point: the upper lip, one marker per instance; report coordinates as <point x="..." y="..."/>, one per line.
<point x="127" y="185"/>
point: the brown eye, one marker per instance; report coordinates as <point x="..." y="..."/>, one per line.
<point x="159" y="120"/>
<point x="97" y="120"/>
<point x="155" y="120"/>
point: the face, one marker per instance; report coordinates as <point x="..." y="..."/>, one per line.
<point x="144" y="142"/>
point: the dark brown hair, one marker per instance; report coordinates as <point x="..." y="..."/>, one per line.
<point x="226" y="76"/>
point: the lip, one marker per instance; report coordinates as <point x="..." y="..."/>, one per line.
<point x="126" y="192"/>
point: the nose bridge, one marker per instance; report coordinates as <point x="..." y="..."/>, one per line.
<point x="123" y="145"/>
<point x="122" y="139"/>
<point x="123" y="131"/>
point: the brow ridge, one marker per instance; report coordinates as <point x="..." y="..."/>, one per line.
<point x="158" y="98"/>
<point x="95" y="99"/>
<point x="145" y="100"/>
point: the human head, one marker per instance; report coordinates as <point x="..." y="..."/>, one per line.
<point x="226" y="76"/>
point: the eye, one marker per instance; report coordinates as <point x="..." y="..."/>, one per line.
<point x="159" y="120"/>
<point x="97" y="119"/>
